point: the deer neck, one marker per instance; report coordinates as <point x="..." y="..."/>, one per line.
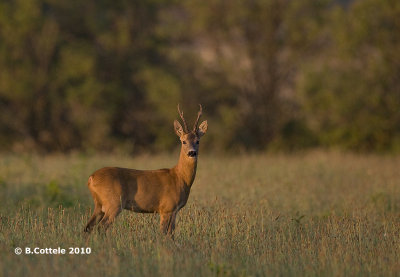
<point x="186" y="169"/>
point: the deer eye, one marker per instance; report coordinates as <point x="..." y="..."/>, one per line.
<point x="184" y="142"/>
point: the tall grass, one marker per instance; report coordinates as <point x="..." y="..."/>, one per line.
<point x="312" y="214"/>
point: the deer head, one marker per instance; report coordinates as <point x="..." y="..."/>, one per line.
<point x="190" y="139"/>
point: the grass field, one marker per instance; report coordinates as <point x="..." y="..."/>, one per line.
<point x="311" y="214"/>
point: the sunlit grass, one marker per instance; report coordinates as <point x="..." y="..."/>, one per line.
<point x="308" y="214"/>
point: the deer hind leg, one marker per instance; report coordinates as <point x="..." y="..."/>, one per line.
<point x="110" y="216"/>
<point x="96" y="217"/>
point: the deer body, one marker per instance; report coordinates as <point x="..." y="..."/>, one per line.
<point x="163" y="191"/>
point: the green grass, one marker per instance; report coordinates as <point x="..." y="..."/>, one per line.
<point x="312" y="214"/>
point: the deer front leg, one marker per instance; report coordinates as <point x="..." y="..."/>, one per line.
<point x="167" y="223"/>
<point x="165" y="220"/>
<point x="171" y="228"/>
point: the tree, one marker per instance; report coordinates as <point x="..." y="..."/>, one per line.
<point x="352" y="98"/>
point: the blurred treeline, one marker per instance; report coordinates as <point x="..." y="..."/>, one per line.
<point x="270" y="74"/>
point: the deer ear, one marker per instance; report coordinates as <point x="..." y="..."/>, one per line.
<point x="178" y="128"/>
<point x="202" y="128"/>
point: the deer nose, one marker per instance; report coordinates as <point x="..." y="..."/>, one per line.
<point x="192" y="153"/>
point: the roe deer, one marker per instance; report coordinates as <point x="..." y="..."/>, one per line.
<point x="163" y="191"/>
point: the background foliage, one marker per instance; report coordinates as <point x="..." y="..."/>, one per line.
<point x="271" y="74"/>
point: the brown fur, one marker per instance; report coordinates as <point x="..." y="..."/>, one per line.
<point x="163" y="191"/>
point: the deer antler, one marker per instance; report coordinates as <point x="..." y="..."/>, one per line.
<point x="198" y="117"/>
<point x="183" y="120"/>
